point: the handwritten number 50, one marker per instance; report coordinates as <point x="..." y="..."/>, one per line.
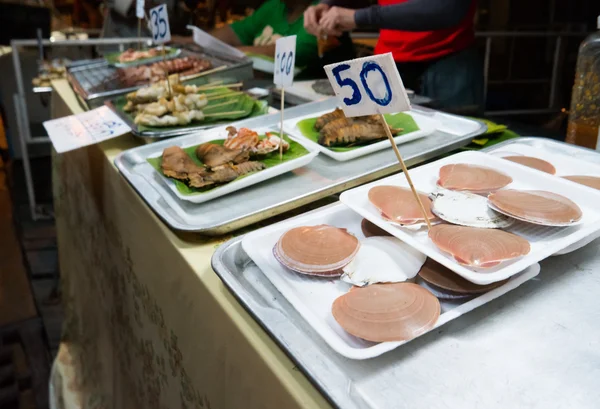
<point x="356" y="94"/>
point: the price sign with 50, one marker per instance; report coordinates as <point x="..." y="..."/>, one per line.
<point x="285" y="59"/>
<point x="370" y="85"/>
<point x="159" y="22"/>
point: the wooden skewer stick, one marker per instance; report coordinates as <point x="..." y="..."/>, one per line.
<point x="403" y="166"/>
<point x="220" y="105"/>
<point x="281" y="126"/>
<point x="203" y="73"/>
<point x="226" y="113"/>
<point x="206" y="88"/>
<point x="140" y="33"/>
<point x="222" y="95"/>
<point x="164" y="49"/>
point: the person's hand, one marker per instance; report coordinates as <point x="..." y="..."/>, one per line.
<point x="312" y="17"/>
<point x="336" y="21"/>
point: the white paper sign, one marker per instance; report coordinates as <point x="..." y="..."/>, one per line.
<point x="159" y="22"/>
<point x="285" y="59"/>
<point x="370" y="85"/>
<point x="139" y="8"/>
<point x="76" y="131"/>
<point x="208" y="42"/>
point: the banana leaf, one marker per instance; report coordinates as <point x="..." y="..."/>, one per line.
<point x="243" y="102"/>
<point x="270" y="160"/>
<point x="399" y="120"/>
<point x="113" y="58"/>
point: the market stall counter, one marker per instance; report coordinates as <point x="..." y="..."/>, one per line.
<point x="147" y="322"/>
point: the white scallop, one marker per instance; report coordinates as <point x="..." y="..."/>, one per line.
<point x="467" y="209"/>
<point x="383" y="260"/>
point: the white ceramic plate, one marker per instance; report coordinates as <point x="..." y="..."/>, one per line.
<point x="544" y="241"/>
<point x="221" y="133"/>
<point x="427" y="126"/>
<point x="312" y="297"/>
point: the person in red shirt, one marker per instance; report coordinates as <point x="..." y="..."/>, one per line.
<point x="430" y="40"/>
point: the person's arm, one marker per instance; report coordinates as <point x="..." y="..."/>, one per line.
<point x="227" y="35"/>
<point x="413" y="15"/>
<point x="268" y="50"/>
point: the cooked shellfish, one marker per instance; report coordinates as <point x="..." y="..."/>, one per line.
<point x="442" y="277"/>
<point x="383" y="260"/>
<point x="536" y="206"/>
<point x="532" y="162"/>
<point x="398" y="205"/>
<point x="590" y="181"/>
<point x="387" y="312"/>
<point x="372" y="230"/>
<point x="482" y="248"/>
<point x="472" y="178"/>
<point x="467" y="209"/>
<point x="316" y="250"/>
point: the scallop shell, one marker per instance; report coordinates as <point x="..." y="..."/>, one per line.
<point x="442" y="277"/>
<point x="372" y="230"/>
<point x="398" y="205"/>
<point x="441" y="294"/>
<point x="467" y="209"/>
<point x="387" y="312"/>
<point x="532" y="162"/>
<point x="383" y="260"/>
<point x="472" y="178"/>
<point x="316" y="250"/>
<point x="481" y="248"/>
<point x="536" y="206"/>
<point x="590" y="181"/>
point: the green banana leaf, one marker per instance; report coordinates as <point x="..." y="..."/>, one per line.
<point x="113" y="58"/>
<point x="243" y="102"/>
<point x="399" y="120"/>
<point x="270" y="160"/>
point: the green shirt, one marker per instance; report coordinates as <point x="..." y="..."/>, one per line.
<point x="273" y="13"/>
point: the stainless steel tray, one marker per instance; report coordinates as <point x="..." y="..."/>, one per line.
<point x="509" y="353"/>
<point x="323" y="177"/>
<point x="97" y="81"/>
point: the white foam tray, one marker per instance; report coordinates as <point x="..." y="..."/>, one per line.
<point x="221" y="133"/>
<point x="566" y="163"/>
<point x="544" y="241"/>
<point x="427" y="125"/>
<point x="313" y="297"/>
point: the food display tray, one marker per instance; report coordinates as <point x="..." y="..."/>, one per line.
<point x="150" y="60"/>
<point x="522" y="338"/>
<point x="544" y="241"/>
<point x="322" y="177"/>
<point x="568" y="160"/>
<point x="313" y="297"/>
<point x="95" y="82"/>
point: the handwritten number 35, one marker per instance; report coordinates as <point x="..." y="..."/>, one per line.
<point x="158" y="22"/>
<point x="356" y="94"/>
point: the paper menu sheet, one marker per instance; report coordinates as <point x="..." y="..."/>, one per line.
<point x="88" y="128"/>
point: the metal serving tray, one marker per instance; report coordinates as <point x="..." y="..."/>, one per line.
<point x="322" y="177"/>
<point x="95" y="82"/>
<point x="509" y="353"/>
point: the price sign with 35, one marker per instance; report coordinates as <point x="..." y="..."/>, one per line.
<point x="159" y="20"/>
<point x="285" y="59"/>
<point x="370" y="85"/>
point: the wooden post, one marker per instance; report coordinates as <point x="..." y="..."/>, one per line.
<point x="403" y="166"/>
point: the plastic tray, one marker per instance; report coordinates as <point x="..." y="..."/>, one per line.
<point x="426" y="124"/>
<point x="313" y="297"/>
<point x="544" y="241"/>
<point x="221" y="133"/>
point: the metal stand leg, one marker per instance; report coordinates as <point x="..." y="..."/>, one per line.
<point x="26" y="165"/>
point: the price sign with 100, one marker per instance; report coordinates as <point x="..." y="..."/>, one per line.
<point x="372" y="85"/>
<point x="159" y="21"/>
<point x="283" y="73"/>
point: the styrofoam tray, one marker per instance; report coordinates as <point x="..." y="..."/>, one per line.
<point x="221" y="133"/>
<point x="313" y="297"/>
<point x="566" y="161"/>
<point x="427" y="125"/>
<point x="544" y="241"/>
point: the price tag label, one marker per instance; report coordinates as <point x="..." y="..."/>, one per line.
<point x="76" y="131"/>
<point x="159" y="21"/>
<point x="285" y="59"/>
<point x="139" y="8"/>
<point x="370" y="85"/>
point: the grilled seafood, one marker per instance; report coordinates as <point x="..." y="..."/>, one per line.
<point x="325" y="119"/>
<point x="213" y="155"/>
<point x="177" y="164"/>
<point x="224" y="174"/>
<point x="132" y="76"/>
<point x="248" y="140"/>
<point x="131" y="55"/>
<point x="336" y="129"/>
<point x="177" y="118"/>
